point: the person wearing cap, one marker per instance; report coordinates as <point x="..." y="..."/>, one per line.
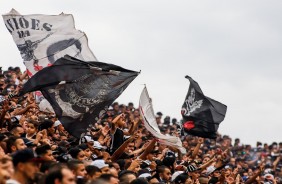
<point x="60" y="128"/>
<point x="100" y="163"/>
<point x="93" y="146"/>
<point x="26" y="166"/>
<point x="87" y="140"/>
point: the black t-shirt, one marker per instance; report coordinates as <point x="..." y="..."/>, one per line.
<point x="117" y="140"/>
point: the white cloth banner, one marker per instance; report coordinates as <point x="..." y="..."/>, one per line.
<point x="42" y="39"/>
<point x="150" y="123"/>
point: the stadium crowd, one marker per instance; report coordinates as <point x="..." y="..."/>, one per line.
<point x="35" y="148"/>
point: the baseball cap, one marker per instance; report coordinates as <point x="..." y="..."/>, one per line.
<point x="23" y="156"/>
<point x="145" y="164"/>
<point x="86" y="139"/>
<point x="191" y="168"/>
<point x="175" y="174"/>
<point x="57" y="123"/>
<point x="100" y="163"/>
<point x="269" y="176"/>
<point x="97" y="145"/>
<point x="144" y="175"/>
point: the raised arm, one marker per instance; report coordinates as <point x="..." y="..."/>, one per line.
<point x="197" y="148"/>
<point x="253" y="178"/>
<point x="3" y="113"/>
<point x="121" y="149"/>
<point x="149" y="148"/>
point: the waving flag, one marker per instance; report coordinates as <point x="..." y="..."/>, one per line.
<point x="149" y="120"/>
<point x="42" y="39"/>
<point x="201" y="114"/>
<point x="80" y="92"/>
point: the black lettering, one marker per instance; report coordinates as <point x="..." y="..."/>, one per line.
<point x="16" y="23"/>
<point x="23" y="22"/>
<point x="8" y="29"/>
<point x="35" y="24"/>
<point x="10" y="24"/>
<point x="23" y="34"/>
<point x="47" y="26"/>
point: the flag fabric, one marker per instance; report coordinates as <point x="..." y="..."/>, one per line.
<point x="201" y="114"/>
<point x="150" y="123"/>
<point x="42" y="39"/>
<point x="80" y="92"/>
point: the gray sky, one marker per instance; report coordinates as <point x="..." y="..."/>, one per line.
<point x="231" y="48"/>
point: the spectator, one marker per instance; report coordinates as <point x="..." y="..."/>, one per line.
<point x="26" y="166"/>
<point x="93" y="172"/>
<point x="15" y="144"/>
<point x="109" y="178"/>
<point x="60" y="176"/>
<point x="45" y="152"/>
<point x="78" y="168"/>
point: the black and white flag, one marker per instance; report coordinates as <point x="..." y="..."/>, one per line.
<point x="201" y="114"/>
<point x="42" y="39"/>
<point x="80" y="92"/>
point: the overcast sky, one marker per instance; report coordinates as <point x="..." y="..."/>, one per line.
<point x="233" y="49"/>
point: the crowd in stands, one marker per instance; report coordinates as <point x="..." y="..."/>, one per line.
<point x="35" y="148"/>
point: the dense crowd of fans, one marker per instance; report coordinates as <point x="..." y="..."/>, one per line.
<point x="35" y="148"/>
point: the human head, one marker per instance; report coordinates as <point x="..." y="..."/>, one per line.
<point x="17" y="130"/>
<point x="77" y="153"/>
<point x="109" y="178"/>
<point x="130" y="147"/>
<point x="87" y="140"/>
<point x="60" y="176"/>
<point x="7" y="164"/>
<point x="14" y="144"/>
<point x="100" y="163"/>
<point x="126" y="176"/>
<point x="77" y="167"/>
<point x="164" y="173"/>
<point x="31" y="127"/>
<point x="181" y="178"/>
<point x="25" y="164"/>
<point x="93" y="172"/>
<point x="86" y="150"/>
<point x="139" y="181"/>
<point x="45" y="152"/>
<point x="48" y="125"/>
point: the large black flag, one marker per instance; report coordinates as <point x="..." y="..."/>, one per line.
<point x="80" y="92"/>
<point x="201" y="114"/>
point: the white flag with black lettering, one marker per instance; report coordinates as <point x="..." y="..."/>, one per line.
<point x="42" y="39"/>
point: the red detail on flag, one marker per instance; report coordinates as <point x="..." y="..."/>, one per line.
<point x="37" y="67"/>
<point x="38" y="93"/>
<point x="28" y="73"/>
<point x="49" y="64"/>
<point x="189" y="125"/>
